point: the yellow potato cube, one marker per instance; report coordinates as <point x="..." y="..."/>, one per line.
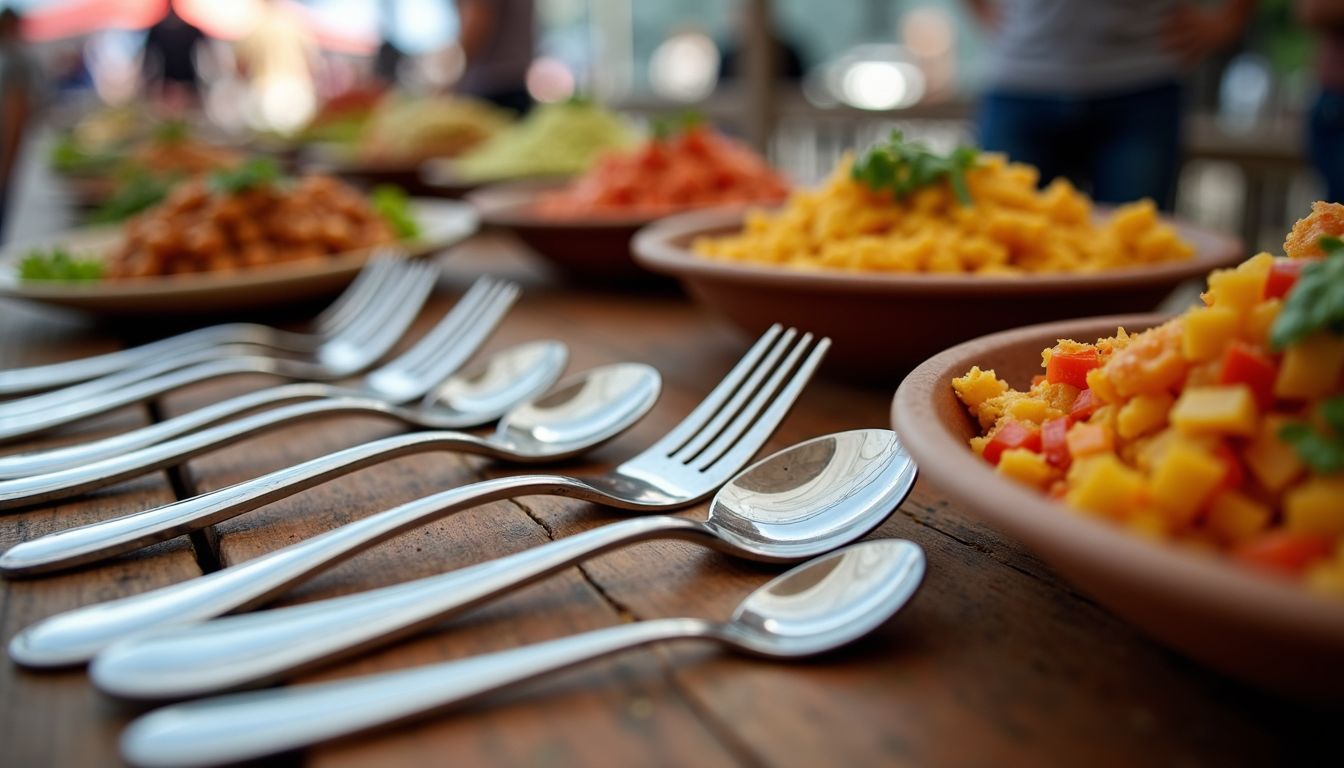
<point x="1026" y="467"/>
<point x="1101" y="385"/>
<point x="1311" y="367"/>
<point x="1273" y="462"/>
<point x="1234" y="517"/>
<point x="1227" y="410"/>
<point x="1316" y="506"/>
<point x="1256" y="325"/>
<point x="1207" y="330"/>
<point x="1029" y="409"/>
<point x="1104" y="485"/>
<point x="1184" y="479"/>
<point x="977" y="386"/>
<point x="1236" y="289"/>
<point x="1143" y="414"/>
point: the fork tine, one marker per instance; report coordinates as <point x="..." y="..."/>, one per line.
<point x="725" y="414"/>
<point x="358" y="294"/>
<point x="448" y="327"/>
<point x="398" y="307"/>
<point x="739" y="443"/>
<point x="683" y="432"/>
<point x="482" y="323"/>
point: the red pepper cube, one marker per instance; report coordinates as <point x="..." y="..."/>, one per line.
<point x="1244" y="364"/>
<point x="1071" y="367"/>
<point x="1283" y="276"/>
<point x="1054" y="446"/>
<point x="1084" y="405"/>
<point x="1013" y="434"/>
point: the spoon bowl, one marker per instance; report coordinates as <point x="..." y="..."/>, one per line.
<point x="488" y="388"/>
<point x="579" y="413"/>
<point x="815" y="607"/>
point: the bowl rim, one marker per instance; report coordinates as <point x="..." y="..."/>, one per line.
<point x="661" y="247"/>
<point x="508" y="204"/>
<point x="1044" y="525"/>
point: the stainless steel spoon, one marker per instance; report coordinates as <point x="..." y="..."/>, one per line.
<point x="798" y="503"/>
<point x="478" y="396"/>
<point x="816" y="607"/>
<point x="580" y="413"/>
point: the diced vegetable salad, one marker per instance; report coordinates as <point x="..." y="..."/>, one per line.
<point x="1222" y="428"/>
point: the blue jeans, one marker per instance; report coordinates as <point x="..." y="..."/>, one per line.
<point x="1118" y="147"/>
<point x="1325" y="138"/>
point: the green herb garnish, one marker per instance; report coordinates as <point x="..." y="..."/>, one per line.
<point x="395" y="207"/>
<point x="1316" y="302"/>
<point x="134" y="195"/>
<point x="257" y="172"/>
<point x="172" y="132"/>
<point x="1322" y="451"/>
<point x="59" y="264"/>
<point x="667" y="126"/>
<point x="905" y="166"/>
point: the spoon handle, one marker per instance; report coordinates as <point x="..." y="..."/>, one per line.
<point x="245" y="649"/>
<point x="25" y="491"/>
<point x="79" y="454"/>
<point x="207" y="731"/>
<point x="75" y="636"/>
<point x="31" y="422"/>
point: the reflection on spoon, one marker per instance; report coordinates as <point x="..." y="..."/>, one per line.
<point x="580" y="413"/>
<point x="801" y="502"/>
<point x="816" y="607"/>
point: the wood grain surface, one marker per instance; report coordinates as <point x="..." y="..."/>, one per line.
<point x="996" y="661"/>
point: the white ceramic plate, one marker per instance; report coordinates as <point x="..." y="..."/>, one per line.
<point x="443" y="223"/>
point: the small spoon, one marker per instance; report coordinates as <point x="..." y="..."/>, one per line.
<point x="798" y="503"/>
<point x="816" y="607"/>
<point x="578" y="414"/>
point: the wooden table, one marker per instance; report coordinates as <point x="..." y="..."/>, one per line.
<point x="996" y="662"/>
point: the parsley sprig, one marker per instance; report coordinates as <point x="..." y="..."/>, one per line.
<point x="1316" y="302"/>
<point x="1323" y="451"/>
<point x="257" y="172"/>
<point x="394" y="206"/>
<point x="905" y="166"/>
<point x="59" y="264"/>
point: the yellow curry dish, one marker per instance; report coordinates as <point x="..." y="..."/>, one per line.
<point x="900" y="208"/>
<point x="1222" y="428"/>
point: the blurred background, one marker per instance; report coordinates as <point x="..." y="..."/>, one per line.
<point x="803" y="81"/>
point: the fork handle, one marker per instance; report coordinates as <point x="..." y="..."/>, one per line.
<point x="25" y="424"/>
<point x="118" y="535"/>
<point x="236" y="727"/>
<point x="75" y="636"/>
<point x="17" y="381"/>
<point x="55" y="459"/>
<point x="252" y="648"/>
<point x="26" y="491"/>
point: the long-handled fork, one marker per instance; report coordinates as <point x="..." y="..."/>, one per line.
<point x="698" y="455"/>
<point x="399" y="296"/>
<point x="358" y="347"/>
<point x="410" y="376"/>
<point x="365" y="293"/>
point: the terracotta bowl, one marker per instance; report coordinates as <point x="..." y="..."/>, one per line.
<point x="1268" y="632"/>
<point x="883" y="324"/>
<point x="593" y="250"/>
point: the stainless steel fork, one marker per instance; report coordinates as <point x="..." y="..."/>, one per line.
<point x="697" y="456"/>
<point x="412" y="375"/>
<point x="363" y="294"/>
<point x="359" y="346"/>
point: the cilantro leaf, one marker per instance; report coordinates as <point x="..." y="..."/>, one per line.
<point x="137" y="193"/>
<point x="905" y="166"/>
<point x="391" y="203"/>
<point x="1316" y="302"/>
<point x="59" y="264"/>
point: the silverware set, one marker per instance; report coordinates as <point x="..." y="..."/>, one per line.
<point x="815" y="498"/>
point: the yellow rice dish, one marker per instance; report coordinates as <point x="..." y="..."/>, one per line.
<point x="1009" y="228"/>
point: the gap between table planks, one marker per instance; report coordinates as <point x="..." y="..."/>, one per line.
<point x="996" y="661"/>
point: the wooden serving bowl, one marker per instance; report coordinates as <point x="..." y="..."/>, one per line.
<point x="1272" y="633"/>
<point x="883" y="324"/>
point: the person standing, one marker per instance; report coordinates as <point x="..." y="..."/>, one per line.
<point x="168" y="60"/>
<point x="498" y="39"/>
<point x="18" y="87"/>
<point x="1325" y="133"/>
<point x="1092" y="91"/>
